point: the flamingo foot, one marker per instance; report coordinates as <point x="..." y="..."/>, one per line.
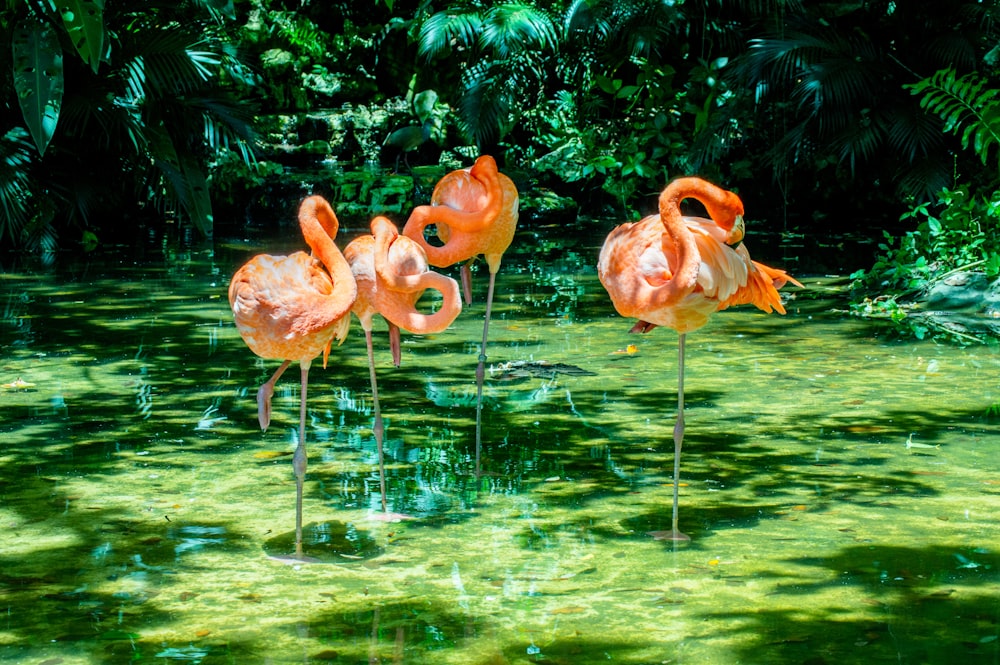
<point x="264" y="394"/>
<point x="673" y="534"/>
<point x="264" y="405"/>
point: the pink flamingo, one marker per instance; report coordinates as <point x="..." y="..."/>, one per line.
<point x="675" y="271"/>
<point x="475" y="211"/>
<point x="291" y="308"/>
<point x="391" y="274"/>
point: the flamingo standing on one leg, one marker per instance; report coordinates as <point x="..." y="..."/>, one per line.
<point x="475" y="211"/>
<point x="391" y="273"/>
<point x="675" y="271"/>
<point x="291" y="308"/>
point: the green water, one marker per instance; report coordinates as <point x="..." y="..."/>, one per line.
<point x="139" y="501"/>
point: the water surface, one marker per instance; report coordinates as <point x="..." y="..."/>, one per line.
<point x="841" y="488"/>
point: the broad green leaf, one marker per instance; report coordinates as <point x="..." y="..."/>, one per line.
<point x="84" y="21"/>
<point x="423" y="104"/>
<point x="186" y="182"/>
<point x="193" y="195"/>
<point x="38" y="79"/>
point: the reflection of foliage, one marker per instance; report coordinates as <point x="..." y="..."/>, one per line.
<point x="139" y="99"/>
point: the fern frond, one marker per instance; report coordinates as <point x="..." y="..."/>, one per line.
<point x="966" y="105"/>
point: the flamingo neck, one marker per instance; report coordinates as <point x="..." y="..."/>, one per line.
<point x="724" y="207"/>
<point x="319" y="226"/>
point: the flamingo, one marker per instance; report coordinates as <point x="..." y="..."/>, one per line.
<point x="391" y="274"/>
<point x="475" y="211"/>
<point x="675" y="271"/>
<point x="291" y="308"/>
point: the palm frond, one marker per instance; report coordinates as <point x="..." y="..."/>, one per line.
<point x="228" y="125"/>
<point x="173" y="60"/>
<point x="510" y="28"/>
<point x="484" y="109"/>
<point x="445" y="30"/>
<point x="913" y="135"/>
<point x="15" y="199"/>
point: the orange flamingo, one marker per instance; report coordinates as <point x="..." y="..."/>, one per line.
<point x="475" y="211"/>
<point x="391" y="273"/>
<point x="675" y="271"/>
<point x="292" y="308"/>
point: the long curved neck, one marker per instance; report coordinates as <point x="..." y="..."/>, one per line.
<point x="319" y="227"/>
<point x="724" y="207"/>
<point x="456" y="215"/>
<point x="404" y="312"/>
<point x="679" y="240"/>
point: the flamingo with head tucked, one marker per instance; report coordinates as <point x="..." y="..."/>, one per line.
<point x="391" y="273"/>
<point x="291" y="308"/>
<point x="475" y="211"/>
<point x="675" y="271"/>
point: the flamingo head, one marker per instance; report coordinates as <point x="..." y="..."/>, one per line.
<point x="726" y="210"/>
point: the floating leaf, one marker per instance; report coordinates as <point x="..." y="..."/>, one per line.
<point x="38" y="79"/>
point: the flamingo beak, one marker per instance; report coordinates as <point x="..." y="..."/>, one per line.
<point x="737" y="232"/>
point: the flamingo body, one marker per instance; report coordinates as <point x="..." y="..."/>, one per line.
<point x="278" y="306"/>
<point x="392" y="273"/>
<point x="475" y="211"/>
<point x="293" y="307"/>
<point x="638" y="259"/>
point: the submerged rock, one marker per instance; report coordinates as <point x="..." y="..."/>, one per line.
<point x="963" y="303"/>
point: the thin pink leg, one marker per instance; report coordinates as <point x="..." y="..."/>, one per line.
<point x="675" y="533"/>
<point x="299" y="461"/>
<point x="481" y="371"/>
<point x="377" y="428"/>
<point x="264" y="396"/>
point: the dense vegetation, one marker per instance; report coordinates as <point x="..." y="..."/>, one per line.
<point x="828" y="117"/>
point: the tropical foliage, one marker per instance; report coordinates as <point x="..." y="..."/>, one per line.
<point x="839" y="116"/>
<point x="831" y="79"/>
<point x="116" y="109"/>
<point x="961" y="230"/>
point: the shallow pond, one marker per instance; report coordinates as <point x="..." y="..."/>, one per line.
<point x="841" y="489"/>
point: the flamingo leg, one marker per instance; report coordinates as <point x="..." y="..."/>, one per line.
<point x="394" y="343"/>
<point x="481" y="370"/>
<point x="299" y="461"/>
<point x="466" y="273"/>
<point x="264" y="396"/>
<point x="675" y="533"/>
<point x="377" y="429"/>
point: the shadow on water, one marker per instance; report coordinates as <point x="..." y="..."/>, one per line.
<point x="838" y="490"/>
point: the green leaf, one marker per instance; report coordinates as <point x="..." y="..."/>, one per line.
<point x="84" y="21"/>
<point x="38" y="79"/>
<point x="193" y="195"/>
<point x="186" y="182"/>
